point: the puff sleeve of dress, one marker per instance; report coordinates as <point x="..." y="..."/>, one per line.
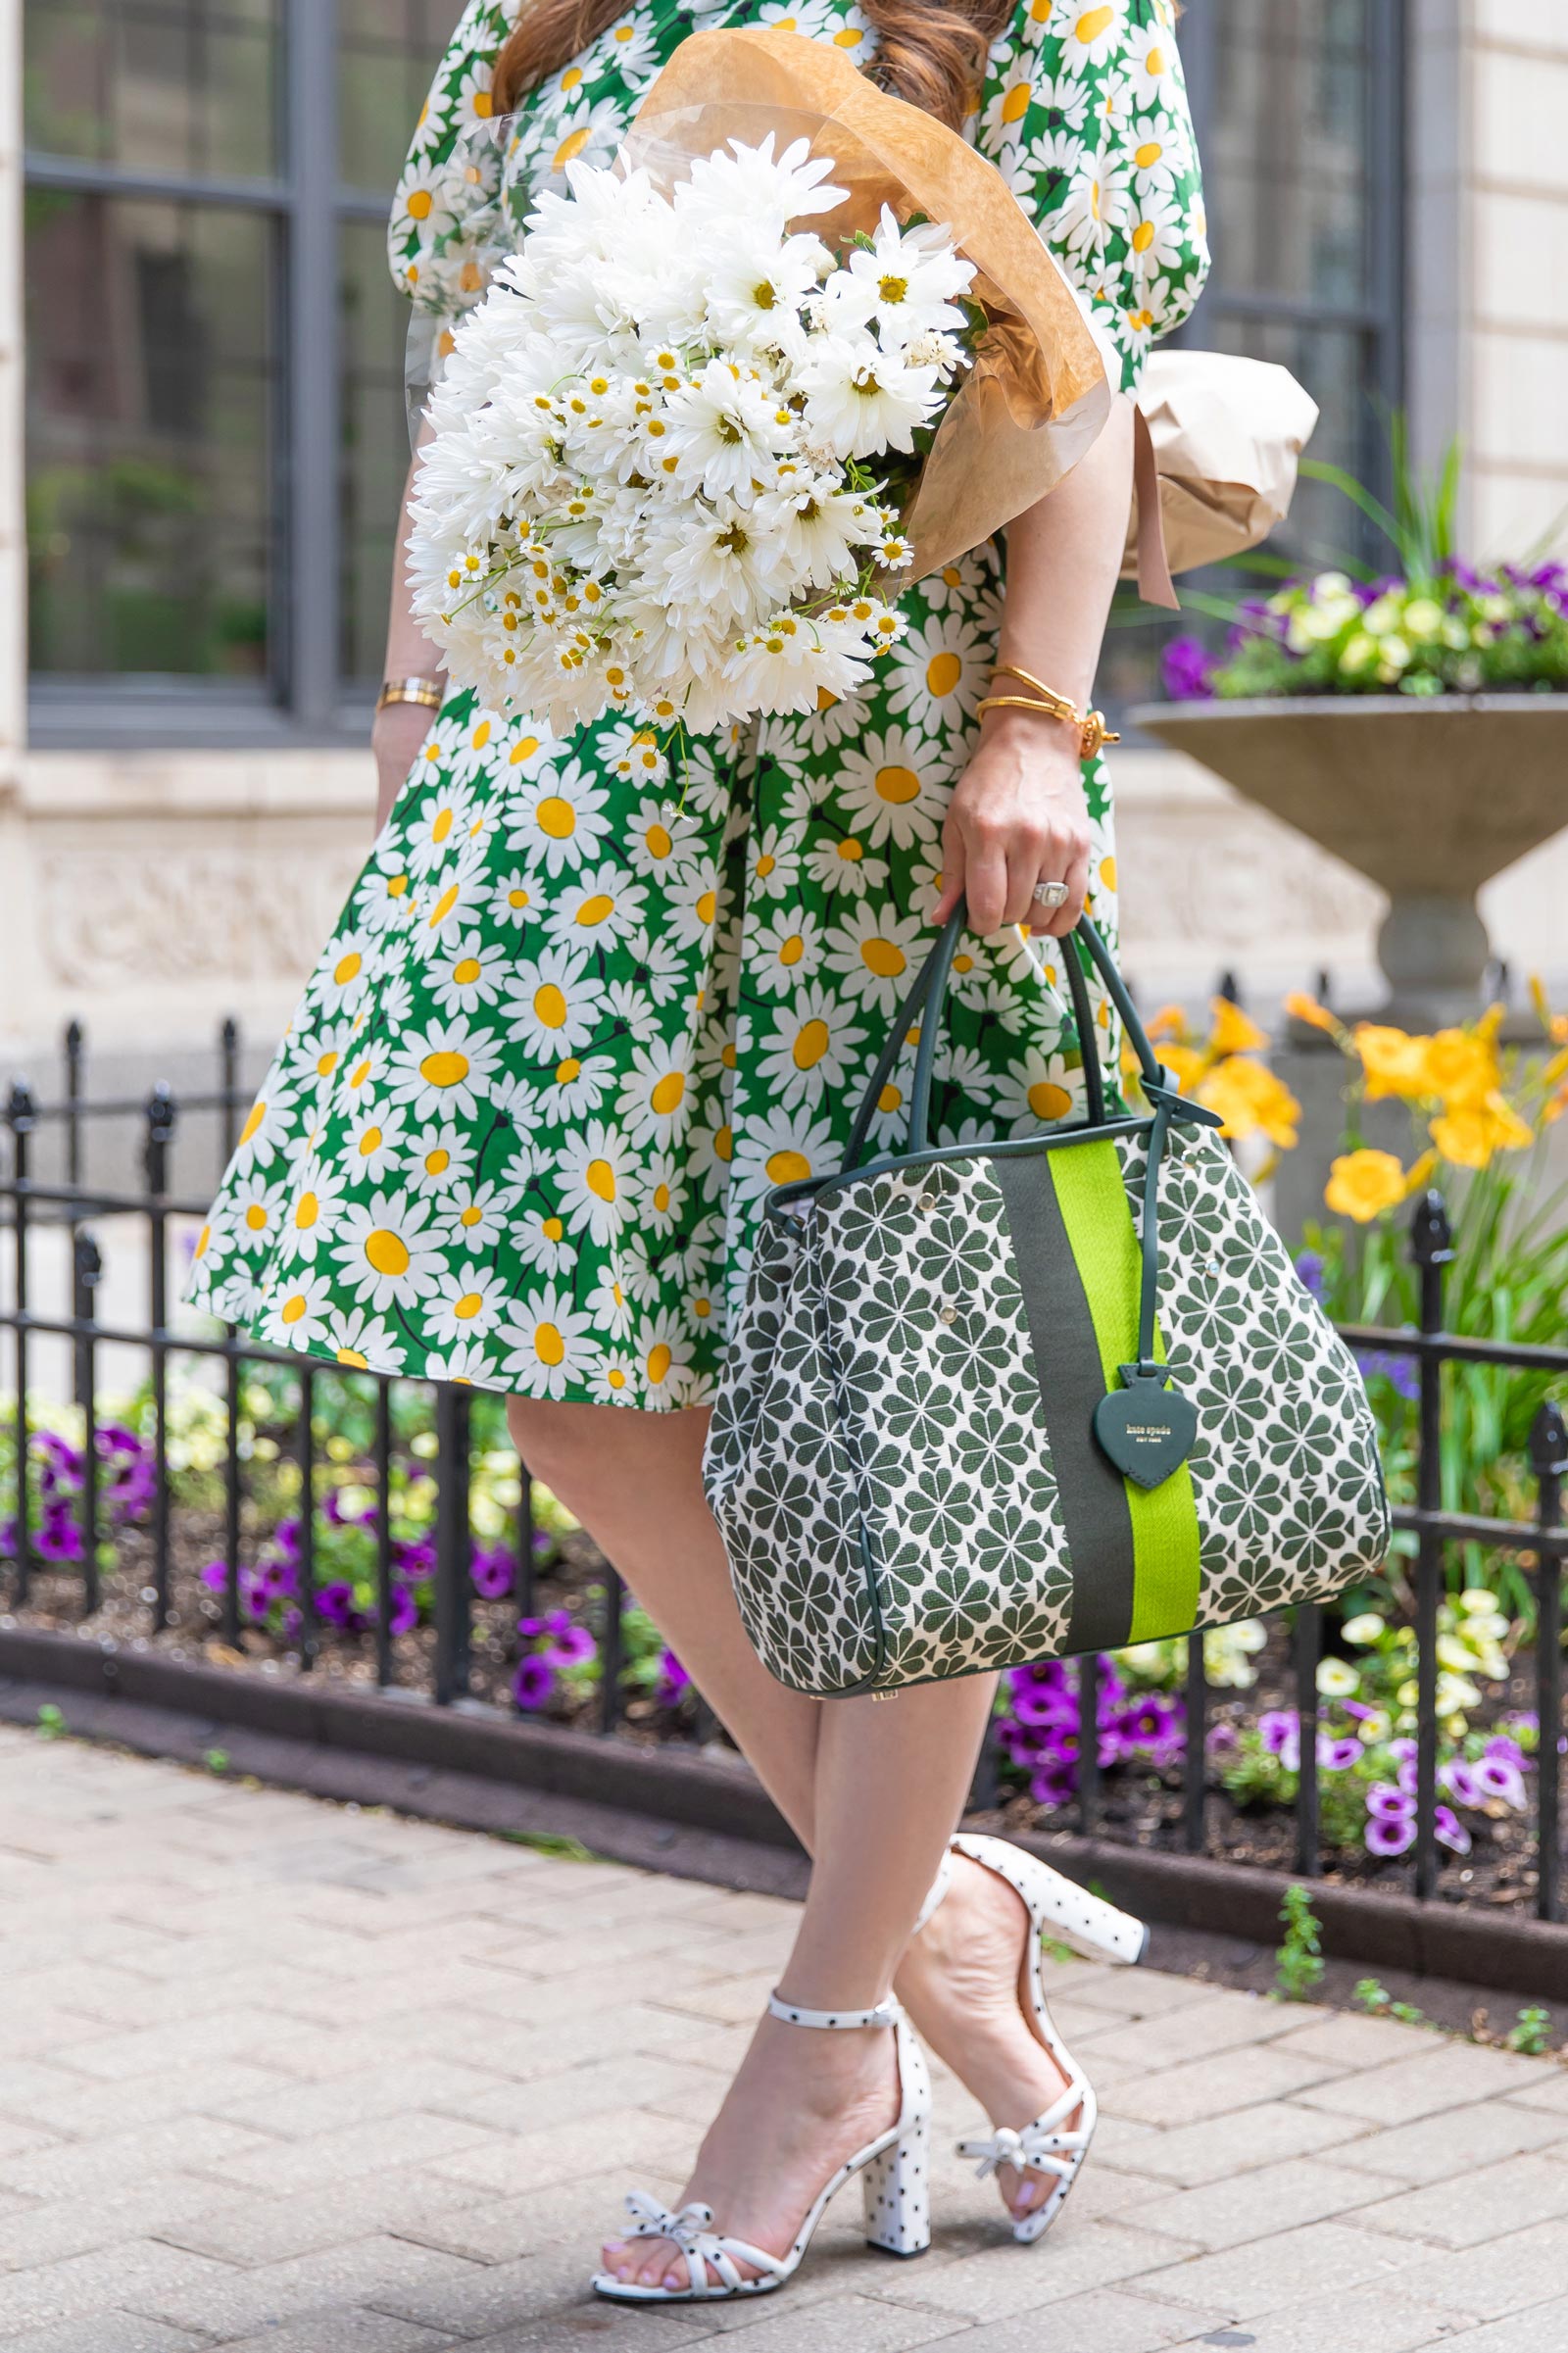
<point x="1084" y="113"/>
<point x="444" y="211"/>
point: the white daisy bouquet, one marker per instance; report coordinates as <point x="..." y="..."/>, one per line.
<point x="670" y="443"/>
<point x="726" y="392"/>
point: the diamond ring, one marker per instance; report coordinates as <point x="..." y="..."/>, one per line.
<point x="1051" y="893"/>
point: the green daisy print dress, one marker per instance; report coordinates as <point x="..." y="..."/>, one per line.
<point x="577" y="1018"/>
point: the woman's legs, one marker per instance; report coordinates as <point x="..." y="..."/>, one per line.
<point x="634" y="1481"/>
<point x="872" y="1788"/>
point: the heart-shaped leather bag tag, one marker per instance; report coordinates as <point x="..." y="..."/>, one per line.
<point x="1146" y="1428"/>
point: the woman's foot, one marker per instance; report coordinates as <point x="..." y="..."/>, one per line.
<point x="961" y="1982"/>
<point x="800" y="2106"/>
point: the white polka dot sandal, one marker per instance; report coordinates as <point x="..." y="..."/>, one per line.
<point x="1056" y="2141"/>
<point x="895" y="2170"/>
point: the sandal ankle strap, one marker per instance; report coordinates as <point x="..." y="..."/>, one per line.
<point x="885" y="2014"/>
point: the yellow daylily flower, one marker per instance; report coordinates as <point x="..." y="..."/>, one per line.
<point x="1252" y="1101"/>
<point x="1186" y="1066"/>
<point x="1169" y="1022"/>
<point x="1460" y="1066"/>
<point x="1395" y="1062"/>
<point x="1232" y="1033"/>
<point x="1362" y="1184"/>
<point x="1303" y="1007"/>
<point x="1469" y="1135"/>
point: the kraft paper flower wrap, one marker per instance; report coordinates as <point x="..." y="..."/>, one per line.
<point x="1036" y="394"/>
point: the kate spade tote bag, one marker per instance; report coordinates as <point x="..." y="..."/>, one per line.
<point x="998" y="1402"/>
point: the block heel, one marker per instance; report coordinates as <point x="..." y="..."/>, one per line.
<point x="898" y="2195"/>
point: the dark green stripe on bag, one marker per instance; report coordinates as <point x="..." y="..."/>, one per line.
<point x="1134" y="1551"/>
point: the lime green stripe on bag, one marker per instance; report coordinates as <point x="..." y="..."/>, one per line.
<point x="1097" y="1218"/>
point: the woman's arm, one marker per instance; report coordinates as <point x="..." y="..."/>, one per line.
<point x="1018" y="815"/>
<point x="401" y="730"/>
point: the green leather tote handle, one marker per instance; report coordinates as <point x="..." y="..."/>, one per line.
<point x="926" y="1001"/>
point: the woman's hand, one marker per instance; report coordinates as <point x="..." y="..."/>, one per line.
<point x="396" y="739"/>
<point x="1017" y="817"/>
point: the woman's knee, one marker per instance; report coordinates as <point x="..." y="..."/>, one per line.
<point x="577" y="1448"/>
<point x="557" y="1443"/>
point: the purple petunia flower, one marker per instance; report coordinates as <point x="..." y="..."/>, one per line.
<point x="404" y="1614"/>
<point x="1337" y="1756"/>
<point x="1309" y="1267"/>
<point x="1401" y="1372"/>
<point x="1155" y="1717"/>
<point x="533" y="1683"/>
<point x="1053" y="1783"/>
<point x="1185" y="667"/>
<point x="334" y="1602"/>
<point x="1035" y="1704"/>
<point x="491" y="1570"/>
<point x="59" y="1539"/>
<point x="574" y="1645"/>
<point x="1279" y="1729"/>
<point x="1498" y="1777"/>
<point x="1460" y="1783"/>
<point x="672" y="1678"/>
<point x="1389" y="1805"/>
<point x="215" y="1576"/>
<point x="1222" y="1738"/>
<point x="1388" y="1834"/>
<point x="1449" y="1830"/>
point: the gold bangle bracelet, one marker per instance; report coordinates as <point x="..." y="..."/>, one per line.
<point x="429" y="693"/>
<point x="1092" y="733"/>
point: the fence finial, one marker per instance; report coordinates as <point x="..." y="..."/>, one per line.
<point x="1548" y="1442"/>
<point x="87" y="1264"/>
<point x="1431" y="1235"/>
<point x="22" y="1108"/>
<point x="161" y="1112"/>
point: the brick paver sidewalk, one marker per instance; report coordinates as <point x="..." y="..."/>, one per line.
<point x="275" y="2073"/>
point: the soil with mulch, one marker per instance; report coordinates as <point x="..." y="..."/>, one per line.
<point x="1137" y="1805"/>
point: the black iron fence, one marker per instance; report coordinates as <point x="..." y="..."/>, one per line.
<point x="31" y="1203"/>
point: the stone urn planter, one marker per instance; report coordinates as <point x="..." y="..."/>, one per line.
<point x="1428" y="799"/>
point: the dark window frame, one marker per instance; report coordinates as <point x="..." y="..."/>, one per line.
<point x="304" y="701"/>
<point x="1379" y="321"/>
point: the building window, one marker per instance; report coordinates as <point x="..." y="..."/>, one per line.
<point x="1299" y="119"/>
<point x="215" y="441"/>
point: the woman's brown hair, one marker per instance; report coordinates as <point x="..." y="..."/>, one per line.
<point x="930" y="52"/>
